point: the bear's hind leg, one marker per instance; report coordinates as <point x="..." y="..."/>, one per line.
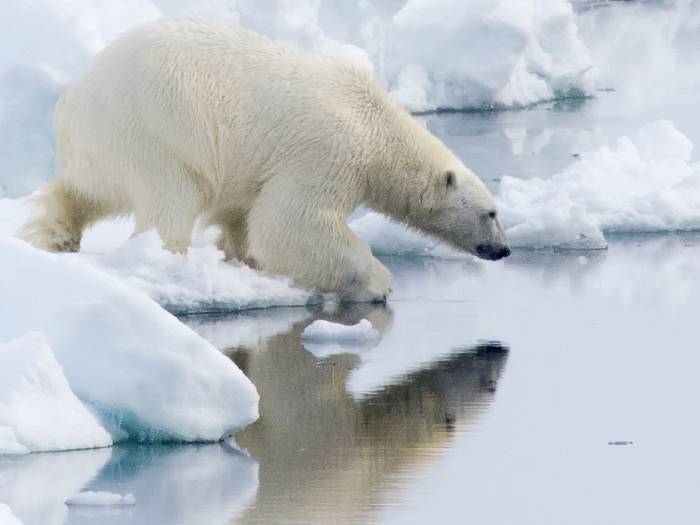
<point x="60" y="215"/>
<point x="171" y="209"/>
<point x="175" y="229"/>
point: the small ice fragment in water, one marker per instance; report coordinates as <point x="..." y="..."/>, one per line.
<point x="326" y="331"/>
<point x="101" y="499"/>
<point x="620" y="443"/>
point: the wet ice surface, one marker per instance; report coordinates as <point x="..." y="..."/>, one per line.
<point x="492" y="396"/>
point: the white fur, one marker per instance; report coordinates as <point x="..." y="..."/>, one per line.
<point x="186" y="118"/>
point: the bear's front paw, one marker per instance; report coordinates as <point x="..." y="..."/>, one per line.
<point x="368" y="287"/>
<point x="379" y="284"/>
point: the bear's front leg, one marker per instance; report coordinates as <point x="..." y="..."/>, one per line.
<point x="379" y="284"/>
<point x="290" y="235"/>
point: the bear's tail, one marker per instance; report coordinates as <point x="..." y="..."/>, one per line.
<point x="56" y="221"/>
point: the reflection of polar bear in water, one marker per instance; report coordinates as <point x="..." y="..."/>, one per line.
<point x="184" y="118"/>
<point x="328" y="457"/>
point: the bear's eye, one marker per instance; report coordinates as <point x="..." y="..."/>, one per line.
<point x="491" y="215"/>
<point x="450" y="179"/>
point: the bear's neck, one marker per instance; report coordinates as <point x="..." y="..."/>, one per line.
<point x="405" y="156"/>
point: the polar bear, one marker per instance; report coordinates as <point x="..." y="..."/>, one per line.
<point x="183" y="119"/>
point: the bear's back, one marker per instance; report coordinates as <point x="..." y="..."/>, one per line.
<point x="223" y="99"/>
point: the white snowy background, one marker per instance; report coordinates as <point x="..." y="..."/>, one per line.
<point x="431" y="55"/>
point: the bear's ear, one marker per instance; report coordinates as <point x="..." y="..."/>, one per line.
<point x="450" y="179"/>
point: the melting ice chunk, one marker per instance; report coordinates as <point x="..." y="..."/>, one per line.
<point x="325" y="331"/>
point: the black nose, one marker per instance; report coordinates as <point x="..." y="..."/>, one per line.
<point x="492" y="252"/>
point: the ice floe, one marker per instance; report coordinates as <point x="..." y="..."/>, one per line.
<point x="147" y="375"/>
<point x="643" y="183"/>
<point x="38" y="409"/>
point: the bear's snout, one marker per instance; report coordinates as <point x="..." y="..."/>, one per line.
<point x="492" y="252"/>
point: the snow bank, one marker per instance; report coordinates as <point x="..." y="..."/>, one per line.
<point x="643" y="183"/>
<point x="38" y="409"/>
<point x="6" y="516"/>
<point x="466" y="55"/>
<point x="148" y="376"/>
<point x="483" y="53"/>
<point x="13" y="214"/>
<point x="199" y="281"/>
<point x="321" y="330"/>
<point x="101" y="499"/>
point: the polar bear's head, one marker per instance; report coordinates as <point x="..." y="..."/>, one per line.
<point x="460" y="210"/>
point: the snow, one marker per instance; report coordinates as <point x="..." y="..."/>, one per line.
<point x="7" y="517"/>
<point x="9" y="444"/>
<point x="643" y="183"/>
<point x="483" y="53"/>
<point x="101" y="499"/>
<point x="476" y="54"/>
<point x="198" y="281"/>
<point x="13" y="214"/>
<point x="321" y="330"/>
<point x="147" y="375"/>
<point x="38" y="409"/>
